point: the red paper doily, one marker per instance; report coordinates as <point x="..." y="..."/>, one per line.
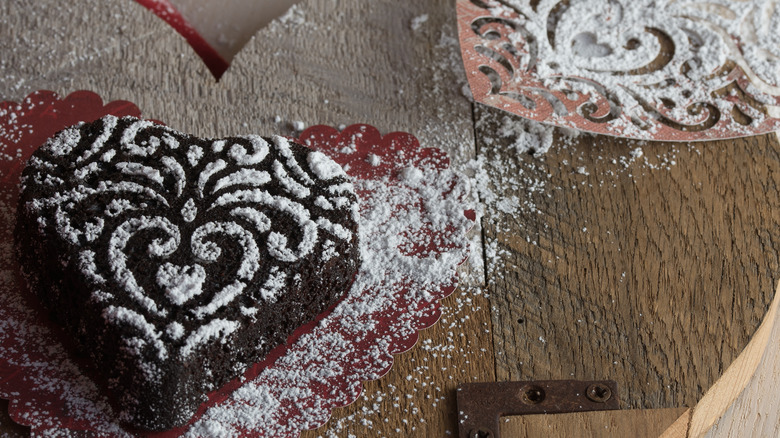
<point x="412" y="237"/>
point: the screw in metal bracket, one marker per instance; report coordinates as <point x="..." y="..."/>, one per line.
<point x="598" y="393"/>
<point x="532" y="395"/>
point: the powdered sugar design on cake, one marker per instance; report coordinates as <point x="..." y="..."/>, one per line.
<point x="397" y="292"/>
<point x="238" y="199"/>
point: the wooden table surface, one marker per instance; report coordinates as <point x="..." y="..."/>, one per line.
<point x="653" y="272"/>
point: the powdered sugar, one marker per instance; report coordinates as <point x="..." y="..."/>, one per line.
<point x="258" y="154"/>
<point x="140" y="170"/>
<point x="274" y="285"/>
<point x="293" y="187"/>
<point x="529" y="137"/>
<point x="217" y="328"/>
<point x="175" y="330"/>
<point x="323" y="167"/>
<point x="335" y="229"/>
<point x="221" y="299"/>
<point x="248" y="177"/>
<point x="210" y="170"/>
<point x="207" y="251"/>
<point x="189" y="211"/>
<point x="323" y="203"/>
<point x="417" y="22"/>
<point x="63" y="143"/>
<point x="643" y="69"/>
<point x="87" y="265"/>
<point x="121" y="315"/>
<point x="175" y="168"/>
<point x="391" y="271"/>
<point x="259" y="220"/>
<point x="147" y="147"/>
<point x="118" y="258"/>
<point x="97" y="145"/>
<point x="181" y="282"/>
<point x="283" y="147"/>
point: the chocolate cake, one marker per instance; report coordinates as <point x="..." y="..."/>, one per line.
<point x="177" y="262"/>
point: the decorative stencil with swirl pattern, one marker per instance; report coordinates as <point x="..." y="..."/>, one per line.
<point x="646" y="69"/>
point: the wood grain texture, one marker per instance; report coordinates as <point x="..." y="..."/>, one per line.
<point x="655" y="278"/>
<point x="338" y="63"/>
<point x="678" y="429"/>
<point x="116" y="48"/>
<point x="635" y="423"/>
<point x="417" y="397"/>
<point x="743" y="402"/>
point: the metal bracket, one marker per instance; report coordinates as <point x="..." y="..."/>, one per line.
<point x="481" y="405"/>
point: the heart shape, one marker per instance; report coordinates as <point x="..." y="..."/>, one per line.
<point x="586" y="44"/>
<point x="181" y="282"/>
<point x="176" y="262"/>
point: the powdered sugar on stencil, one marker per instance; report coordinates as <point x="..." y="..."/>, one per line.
<point x="646" y="69"/>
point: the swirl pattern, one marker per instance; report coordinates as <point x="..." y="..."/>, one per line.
<point x="182" y="245"/>
<point x="645" y="69"/>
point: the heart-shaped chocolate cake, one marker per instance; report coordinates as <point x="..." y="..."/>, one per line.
<point x="177" y="262"/>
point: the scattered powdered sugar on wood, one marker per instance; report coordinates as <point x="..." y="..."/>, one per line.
<point x="511" y="173"/>
<point x="420" y="390"/>
<point x="491" y="193"/>
<point x="418" y="21"/>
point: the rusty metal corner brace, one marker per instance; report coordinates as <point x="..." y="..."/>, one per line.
<point x="481" y="405"/>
